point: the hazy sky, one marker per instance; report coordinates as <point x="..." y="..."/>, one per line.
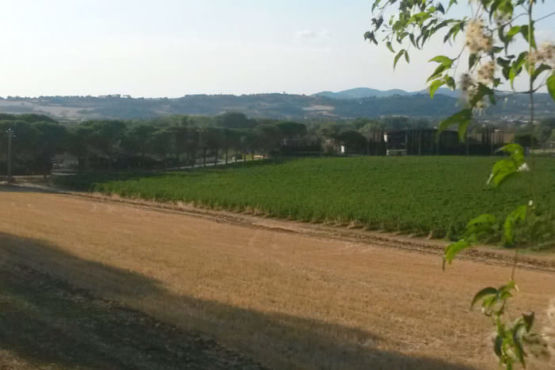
<point x="176" y="47"/>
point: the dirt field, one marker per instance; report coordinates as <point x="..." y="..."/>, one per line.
<point x="281" y="298"/>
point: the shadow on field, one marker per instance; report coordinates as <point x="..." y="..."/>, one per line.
<point x="46" y="321"/>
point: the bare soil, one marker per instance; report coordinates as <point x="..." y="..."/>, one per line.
<point x="286" y="295"/>
<point x="47" y="323"/>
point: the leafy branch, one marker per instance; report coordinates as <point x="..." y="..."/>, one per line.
<point x="489" y="34"/>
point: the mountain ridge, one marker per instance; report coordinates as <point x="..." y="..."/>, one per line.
<point x="367" y="92"/>
<point x="274" y="106"/>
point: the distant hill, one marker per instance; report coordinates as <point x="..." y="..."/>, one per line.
<point x="280" y="106"/>
<point x="361" y="93"/>
<point x="365" y="92"/>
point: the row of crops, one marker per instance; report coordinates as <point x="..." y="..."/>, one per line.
<point x="419" y="195"/>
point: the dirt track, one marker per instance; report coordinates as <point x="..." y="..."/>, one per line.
<point x="285" y="299"/>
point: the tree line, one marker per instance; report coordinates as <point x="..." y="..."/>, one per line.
<point x="40" y="142"/>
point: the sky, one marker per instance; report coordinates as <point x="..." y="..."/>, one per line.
<point x="159" y="48"/>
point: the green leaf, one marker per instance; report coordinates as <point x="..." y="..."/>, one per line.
<point x="449" y="81"/>
<point x="512" y="148"/>
<point x="443" y="60"/>
<point x="477" y="227"/>
<point x="513" y="31"/>
<point x="518" y="348"/>
<point x="516" y="67"/>
<point x="507" y="167"/>
<point x="501" y="171"/>
<point x="460" y="118"/>
<point x="440" y="8"/>
<point x="472" y="59"/>
<point x="551" y="85"/>
<point x="489" y="291"/>
<point x="389" y="46"/>
<point x="397" y="57"/>
<point x="453" y="249"/>
<point x="542" y="68"/>
<point x="507" y="288"/>
<point x="498" y="345"/>
<point x="437" y="73"/>
<point x="412" y="40"/>
<point x="524" y="30"/>
<point x="434" y="86"/>
<point x="485" y="219"/>
<point x="463" y="127"/>
<point x="516" y="152"/>
<point x="528" y="320"/>
<point x="377" y="23"/>
<point x="371" y="37"/>
<point x="483" y="91"/>
<point x="512" y="75"/>
<point x="515" y="217"/>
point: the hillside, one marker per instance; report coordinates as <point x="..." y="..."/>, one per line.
<point x="365" y="92"/>
<point x="279" y="106"/>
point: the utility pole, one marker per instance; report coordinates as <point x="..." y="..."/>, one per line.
<point x="10" y="133"/>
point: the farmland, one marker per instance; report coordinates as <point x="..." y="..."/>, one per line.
<point x="84" y="282"/>
<point x="413" y="195"/>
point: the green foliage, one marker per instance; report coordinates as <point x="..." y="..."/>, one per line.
<point x="409" y="194"/>
<point x="477" y="230"/>
<point x="551" y="85"/>
<point x="513" y="219"/>
<point x="493" y="300"/>
<point x="490" y="34"/>
<point x="506" y="168"/>
<point x="511" y="338"/>
<point x="462" y="119"/>
<point x="453" y="249"/>
<point x="35" y="143"/>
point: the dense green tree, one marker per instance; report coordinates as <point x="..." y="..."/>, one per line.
<point x="79" y="143"/>
<point x="50" y="139"/>
<point x="266" y="139"/>
<point x="138" y="140"/>
<point x="34" y="143"/>
<point x="180" y="140"/>
<point x="354" y="141"/>
<point x="235" y="120"/>
<point x="291" y="130"/>
<point x="106" y="138"/>
<point x="161" y="144"/>
<point x="373" y="132"/>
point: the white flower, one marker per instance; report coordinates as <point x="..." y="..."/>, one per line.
<point x="466" y="82"/>
<point x="545" y="54"/>
<point x="486" y="73"/>
<point x="476" y="38"/>
<point x="524" y="167"/>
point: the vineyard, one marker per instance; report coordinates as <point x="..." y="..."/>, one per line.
<point x="413" y="195"/>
